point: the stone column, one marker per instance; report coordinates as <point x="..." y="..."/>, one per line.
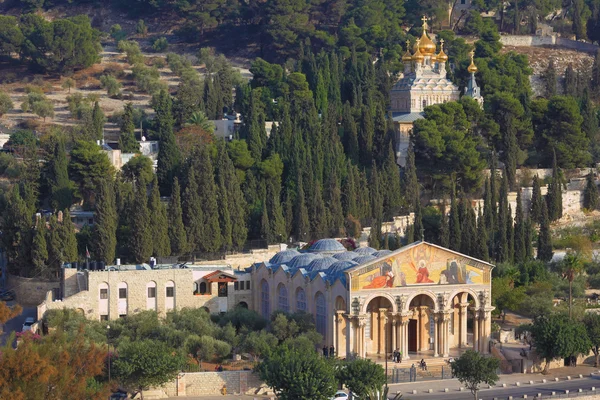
<point x="436" y="334"/>
<point x="487" y="330"/>
<point x="405" y="338"/>
<point x="338" y="321"/>
<point x="423" y="328"/>
<point x="394" y="333"/>
<point x="475" y="330"/>
<point x="463" y="341"/>
<point x="381" y="345"/>
<point x="446" y="325"/>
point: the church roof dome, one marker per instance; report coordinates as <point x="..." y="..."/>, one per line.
<point x="407" y="56"/>
<point x="345" y="256"/>
<point x="321" y="264"/>
<point x="283" y="256"/>
<point x="472" y="68"/>
<point x="426" y="45"/>
<point x="364" y="259"/>
<point x="303" y="260"/>
<point x="441" y="57"/>
<point x="326" y="245"/>
<point x="340" y="266"/>
<point x="418" y="56"/>
<point x="381" y="253"/>
<point x="365" y="250"/>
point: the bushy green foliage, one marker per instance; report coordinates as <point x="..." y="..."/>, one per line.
<point x="160" y="45"/>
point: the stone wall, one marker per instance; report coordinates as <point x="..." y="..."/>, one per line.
<point x="552" y="40"/>
<point x="240" y="261"/>
<point x="30" y="291"/>
<point x="212" y="383"/>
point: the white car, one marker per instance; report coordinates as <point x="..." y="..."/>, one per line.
<point x="340" y="395"/>
<point x="27" y="325"/>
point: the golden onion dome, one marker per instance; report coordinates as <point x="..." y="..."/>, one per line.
<point x="426" y="45"/>
<point x="407" y="56"/>
<point x="472" y="68"/>
<point x="441" y="57"/>
<point x="418" y="56"/>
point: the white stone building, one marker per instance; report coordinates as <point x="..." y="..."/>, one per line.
<point x="416" y="299"/>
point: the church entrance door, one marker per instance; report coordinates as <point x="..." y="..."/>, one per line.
<point x="412" y="335"/>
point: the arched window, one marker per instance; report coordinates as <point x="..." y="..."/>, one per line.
<point x="282" y="298"/>
<point x="321" y="313"/>
<point x="300" y="300"/>
<point x="202" y="287"/>
<point x="265" y="304"/>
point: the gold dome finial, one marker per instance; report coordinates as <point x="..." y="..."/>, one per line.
<point x="472" y="68"/>
<point x="418" y="56"/>
<point x="441" y="57"/>
<point x="407" y="56"/>
<point x="426" y="46"/>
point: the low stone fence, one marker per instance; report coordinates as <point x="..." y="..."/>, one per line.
<point x="212" y="383"/>
<point x="552" y="40"/>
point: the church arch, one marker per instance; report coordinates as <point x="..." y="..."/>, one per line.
<point x="321" y="313"/>
<point x="426" y="293"/>
<point x="282" y="298"/>
<point x="387" y="296"/>
<point x="265" y="301"/>
<point x="465" y="291"/>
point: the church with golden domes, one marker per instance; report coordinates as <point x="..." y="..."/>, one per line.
<point x="423" y="84"/>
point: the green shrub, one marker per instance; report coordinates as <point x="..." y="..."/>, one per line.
<point x="161" y="44"/>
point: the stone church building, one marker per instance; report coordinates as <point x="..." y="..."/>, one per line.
<point x="421" y="299"/>
<point x="423" y="83"/>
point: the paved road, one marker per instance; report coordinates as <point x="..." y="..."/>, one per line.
<point x="15" y="324"/>
<point x="531" y="391"/>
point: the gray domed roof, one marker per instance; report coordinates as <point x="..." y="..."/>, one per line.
<point x="327" y="245"/>
<point x="381" y="253"/>
<point x="321" y="264"/>
<point x="345" y="256"/>
<point x="283" y="256"/>
<point x="340" y="266"/>
<point x="303" y="260"/>
<point x="365" y="250"/>
<point x="364" y="259"/>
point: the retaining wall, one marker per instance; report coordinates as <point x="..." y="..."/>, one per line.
<point x="30" y="291"/>
<point x="553" y="40"/>
<point x="212" y="383"/>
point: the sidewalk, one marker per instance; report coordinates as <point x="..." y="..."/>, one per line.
<point x="508" y="379"/>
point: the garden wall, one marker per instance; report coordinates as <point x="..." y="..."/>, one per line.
<point x="212" y="383"/>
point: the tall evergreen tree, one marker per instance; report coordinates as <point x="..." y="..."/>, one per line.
<point x="481" y="250"/>
<point x="302" y="225"/>
<point x="510" y="236"/>
<point x="140" y="240"/>
<point x="536" y="201"/>
<point x="61" y="187"/>
<point x="318" y="213"/>
<point x="419" y="228"/>
<point x="55" y="249"/>
<point x="528" y="239"/>
<point x="503" y="245"/>
<point x="98" y="120"/>
<point x="255" y="127"/>
<point x="106" y="220"/>
<point x="550" y="78"/>
<point x="159" y="225"/>
<point x="230" y="190"/>
<point x="127" y="141"/>
<point x="589" y="126"/>
<point x="487" y="206"/>
<point x="463" y="216"/>
<point x="365" y="136"/>
<point x="68" y="239"/>
<point x="494" y="193"/>
<point x="472" y="228"/>
<point x="554" y="196"/>
<point x="207" y="190"/>
<point x="350" y="134"/>
<point x="168" y="164"/>
<point x="334" y="199"/>
<point x="444" y="228"/>
<point x="392" y="195"/>
<point x="454" y="225"/>
<point x="544" y="249"/>
<point x="193" y="213"/>
<point x="570" y="82"/>
<point x="591" y="198"/>
<point x="519" y="232"/>
<point x="177" y="234"/>
<point x="164" y="121"/>
<point x="410" y="181"/>
<point x="39" y="250"/>
<point x="377" y="208"/>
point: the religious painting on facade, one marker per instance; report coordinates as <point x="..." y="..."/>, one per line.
<point x="423" y="264"/>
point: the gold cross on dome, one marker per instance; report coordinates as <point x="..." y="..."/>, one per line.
<point x="472" y="54"/>
<point x="424" y="19"/>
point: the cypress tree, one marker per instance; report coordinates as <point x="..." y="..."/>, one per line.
<point x="380" y="138"/>
<point x="590" y="117"/>
<point x="302" y="225"/>
<point x="164" y="121"/>
<point x="520" y="234"/>
<point x="192" y="212"/>
<point x="54" y="246"/>
<point x="211" y="240"/>
<point x="591" y="199"/>
<point x="463" y="216"/>
<point x="334" y="199"/>
<point x="570" y="82"/>
<point x="487" y="206"/>
<point x="177" y="235"/>
<point x="68" y="238"/>
<point x="544" y="238"/>
<point x="550" y="79"/>
<point x="444" y="228"/>
<point x="392" y="192"/>
<point x="98" y="121"/>
<point x="275" y="210"/>
<point x="39" y="250"/>
<point x="349" y="192"/>
<point x="61" y="187"/>
<point x="265" y="226"/>
<point x="494" y="194"/>
<point x="318" y="213"/>
<point x="255" y="127"/>
<point x="410" y="181"/>
<point x="454" y="222"/>
<point x="536" y="201"/>
<point x="410" y="234"/>
<point x="168" y="164"/>
<point x="472" y="228"/>
<point x="528" y="239"/>
<point x="503" y="246"/>
<point x="481" y="250"/>
<point x="140" y="240"/>
<point x="510" y="236"/>
<point x="554" y="196"/>
<point x="377" y="208"/>
<point x="230" y="185"/>
<point x="106" y="220"/>
<point x="159" y="225"/>
<point x="127" y="142"/>
<point x="418" y="225"/>
<point x="350" y="134"/>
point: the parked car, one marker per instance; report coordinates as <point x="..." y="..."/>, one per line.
<point x="340" y="395"/>
<point x="118" y="395"/>
<point x="27" y="325"/>
<point x="7" y="295"/>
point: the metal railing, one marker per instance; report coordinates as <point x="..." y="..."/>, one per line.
<point x="415" y="374"/>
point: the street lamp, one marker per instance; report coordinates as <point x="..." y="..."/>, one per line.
<point x="108" y="343"/>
